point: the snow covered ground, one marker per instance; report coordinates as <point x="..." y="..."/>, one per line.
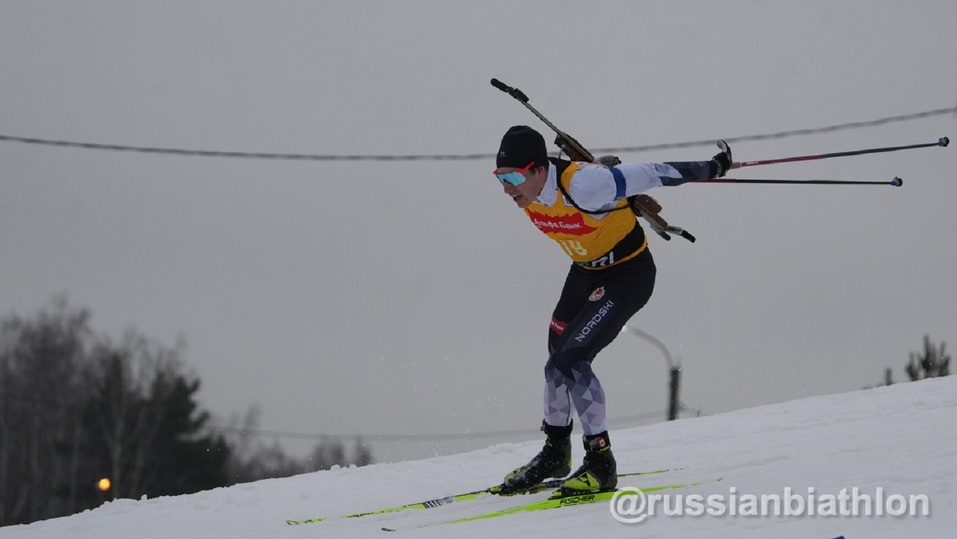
<point x="897" y="443"/>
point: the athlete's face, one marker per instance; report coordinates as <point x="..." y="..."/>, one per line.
<point x="524" y="184"/>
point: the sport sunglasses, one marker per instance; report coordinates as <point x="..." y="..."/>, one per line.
<point x="515" y="177"/>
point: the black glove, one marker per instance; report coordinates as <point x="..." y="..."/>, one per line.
<point x="721" y="163"/>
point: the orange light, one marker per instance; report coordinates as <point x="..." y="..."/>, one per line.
<point x="104" y="484"/>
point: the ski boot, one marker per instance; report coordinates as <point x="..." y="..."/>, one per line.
<point x="554" y="460"/>
<point x="598" y="471"/>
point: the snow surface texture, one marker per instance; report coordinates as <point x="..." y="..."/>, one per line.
<point x="902" y="438"/>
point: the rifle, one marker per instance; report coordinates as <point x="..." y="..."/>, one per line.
<point x="643" y="206"/>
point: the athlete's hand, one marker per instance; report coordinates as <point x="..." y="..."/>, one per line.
<point x="721" y="163"/>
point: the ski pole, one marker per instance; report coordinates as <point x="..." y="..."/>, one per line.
<point x="942" y="142"/>
<point x="896" y="182"/>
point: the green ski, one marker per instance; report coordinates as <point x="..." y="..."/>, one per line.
<point x="439" y="502"/>
<point x="558" y="500"/>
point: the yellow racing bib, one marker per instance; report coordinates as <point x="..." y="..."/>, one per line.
<point x="593" y="242"/>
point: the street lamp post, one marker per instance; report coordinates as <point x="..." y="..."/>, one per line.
<point x="674" y="371"/>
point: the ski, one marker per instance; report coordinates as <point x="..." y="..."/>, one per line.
<point x="446" y="500"/>
<point x="558" y="500"/>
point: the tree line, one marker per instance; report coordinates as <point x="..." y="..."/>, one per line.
<point x="77" y="407"/>
<point x="932" y="362"/>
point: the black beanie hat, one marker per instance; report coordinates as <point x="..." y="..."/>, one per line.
<point x="520" y="146"/>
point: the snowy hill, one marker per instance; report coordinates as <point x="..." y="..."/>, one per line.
<point x="895" y="445"/>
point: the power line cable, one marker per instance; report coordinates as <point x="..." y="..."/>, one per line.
<point x="459" y="157"/>
<point x="789" y="133"/>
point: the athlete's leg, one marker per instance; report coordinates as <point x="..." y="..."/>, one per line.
<point x="617" y="294"/>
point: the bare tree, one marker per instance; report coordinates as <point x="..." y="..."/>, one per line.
<point x="40" y="395"/>
<point x="140" y="401"/>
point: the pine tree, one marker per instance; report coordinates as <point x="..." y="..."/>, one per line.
<point x="933" y="363"/>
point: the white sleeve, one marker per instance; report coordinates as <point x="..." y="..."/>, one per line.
<point x="593" y="187"/>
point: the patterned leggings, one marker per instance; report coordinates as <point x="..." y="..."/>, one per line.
<point x="593" y="308"/>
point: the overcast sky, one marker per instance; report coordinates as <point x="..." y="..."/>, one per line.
<point x="412" y="297"/>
